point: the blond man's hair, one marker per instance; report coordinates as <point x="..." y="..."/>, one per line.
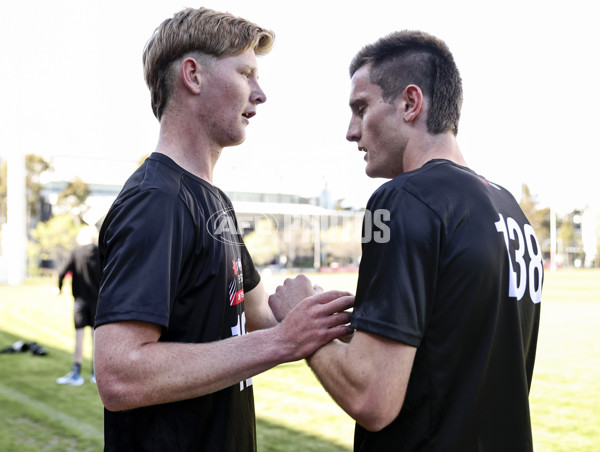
<point x="201" y="31"/>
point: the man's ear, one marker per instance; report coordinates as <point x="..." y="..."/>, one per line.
<point x="190" y="72"/>
<point x="413" y="102"/>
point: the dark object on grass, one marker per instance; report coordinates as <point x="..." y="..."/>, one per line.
<point x="37" y="349"/>
<point x="21" y="347"/>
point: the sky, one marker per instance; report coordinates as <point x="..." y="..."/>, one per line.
<point x="72" y="89"/>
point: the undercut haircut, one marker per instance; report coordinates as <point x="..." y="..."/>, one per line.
<point x="205" y="33"/>
<point x="416" y="58"/>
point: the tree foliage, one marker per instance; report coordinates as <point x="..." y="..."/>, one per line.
<point x="52" y="241"/>
<point x="539" y="218"/>
<point x="3" y="191"/>
<point x="35" y="165"/>
<point x="72" y="199"/>
<point x="263" y="243"/>
<point x="75" y="194"/>
<point x="342" y="241"/>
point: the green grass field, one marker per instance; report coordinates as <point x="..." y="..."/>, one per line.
<point x="294" y="413"/>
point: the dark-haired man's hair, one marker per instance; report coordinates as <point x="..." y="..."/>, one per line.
<point x="416" y="58"/>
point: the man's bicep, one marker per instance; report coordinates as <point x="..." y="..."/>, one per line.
<point x="258" y="312"/>
<point x="114" y="341"/>
<point x="387" y="365"/>
<point x="391" y="358"/>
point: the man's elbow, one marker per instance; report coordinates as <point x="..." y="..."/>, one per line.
<point x="375" y="416"/>
<point x="375" y="422"/>
<point x="118" y="392"/>
<point x="114" y="394"/>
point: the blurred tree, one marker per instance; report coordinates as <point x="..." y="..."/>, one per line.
<point x="262" y="243"/>
<point x="3" y="192"/>
<point x="342" y="241"/>
<point x="566" y="233"/>
<point x="570" y="239"/>
<point x="51" y="242"/>
<point x="296" y="241"/>
<point x="539" y="218"/>
<point x="75" y="193"/>
<point x="35" y="165"/>
<point x="72" y="199"/>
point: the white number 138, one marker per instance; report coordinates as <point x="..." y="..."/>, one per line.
<point x="529" y="276"/>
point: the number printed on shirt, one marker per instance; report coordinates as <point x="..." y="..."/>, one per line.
<point x="529" y="276"/>
<point x="240" y="330"/>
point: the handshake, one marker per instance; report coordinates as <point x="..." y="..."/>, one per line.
<point x="310" y="316"/>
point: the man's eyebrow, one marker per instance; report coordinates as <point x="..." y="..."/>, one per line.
<point x="249" y="68"/>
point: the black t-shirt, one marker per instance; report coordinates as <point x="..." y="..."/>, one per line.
<point x="172" y="256"/>
<point x="451" y="266"/>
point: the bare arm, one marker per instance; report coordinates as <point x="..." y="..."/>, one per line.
<point x="133" y="369"/>
<point x="367" y="377"/>
<point x="258" y="312"/>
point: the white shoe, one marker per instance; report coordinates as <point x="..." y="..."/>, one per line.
<point x="71" y="379"/>
<point x="93" y="379"/>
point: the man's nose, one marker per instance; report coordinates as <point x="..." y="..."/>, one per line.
<point x="353" y="133"/>
<point x="258" y="95"/>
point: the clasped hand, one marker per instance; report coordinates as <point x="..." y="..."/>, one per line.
<point x="311" y="316"/>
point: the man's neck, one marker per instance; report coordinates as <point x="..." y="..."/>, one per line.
<point x="189" y="151"/>
<point x="441" y="146"/>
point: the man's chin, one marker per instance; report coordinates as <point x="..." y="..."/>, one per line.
<point x="235" y="142"/>
<point x="378" y="173"/>
<point x="373" y="173"/>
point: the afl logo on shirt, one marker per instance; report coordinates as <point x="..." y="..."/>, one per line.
<point x="221" y="226"/>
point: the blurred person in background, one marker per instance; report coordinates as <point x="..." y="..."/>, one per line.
<point x="84" y="267"/>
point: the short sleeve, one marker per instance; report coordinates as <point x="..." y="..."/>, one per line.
<point x="251" y="274"/>
<point x="144" y="246"/>
<point x="398" y="269"/>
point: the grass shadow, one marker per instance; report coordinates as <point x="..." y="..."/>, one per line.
<point x="273" y="437"/>
<point x="39" y="415"/>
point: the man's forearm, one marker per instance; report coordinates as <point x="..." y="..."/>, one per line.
<point x="134" y="369"/>
<point x="329" y="366"/>
<point x="366" y="377"/>
<point x="159" y="372"/>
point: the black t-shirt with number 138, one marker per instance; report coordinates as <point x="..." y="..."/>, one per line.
<point x="452" y="267"/>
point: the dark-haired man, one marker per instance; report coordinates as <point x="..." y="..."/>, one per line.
<point x="449" y="288"/>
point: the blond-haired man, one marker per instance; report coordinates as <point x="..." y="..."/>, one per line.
<point x="173" y="362"/>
